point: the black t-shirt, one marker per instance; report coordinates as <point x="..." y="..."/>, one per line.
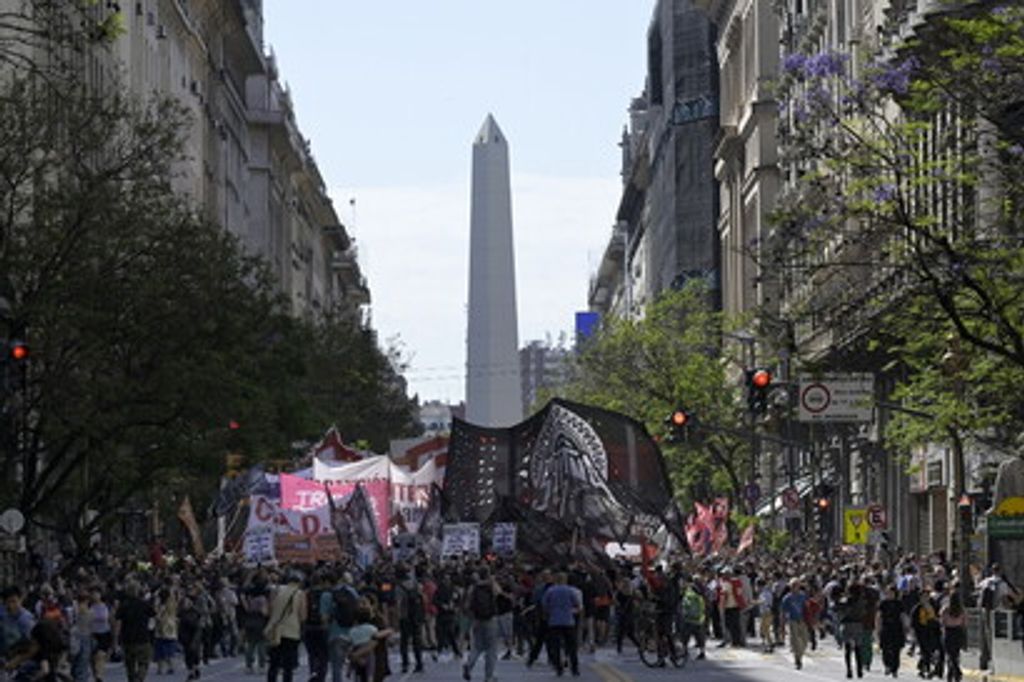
<point x="502" y="604"/>
<point x="46" y="633"/>
<point x="135" y="616"/>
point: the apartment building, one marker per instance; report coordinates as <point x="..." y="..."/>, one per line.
<point x="664" y="234"/>
<point x="247" y="167"/>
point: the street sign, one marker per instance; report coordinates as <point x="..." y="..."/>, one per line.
<point x="878" y="518"/>
<point x="856" y="530"/>
<point x="752" y="492"/>
<point x="1006" y="527"/>
<point x="845" y="398"/>
<point x="12" y="521"/>
<point x="791" y="499"/>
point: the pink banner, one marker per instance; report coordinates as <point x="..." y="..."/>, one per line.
<point x="299" y="494"/>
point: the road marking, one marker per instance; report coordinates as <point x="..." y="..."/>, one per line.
<point x="609" y="673"/>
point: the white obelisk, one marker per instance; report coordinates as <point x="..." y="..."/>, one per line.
<point x="493" y="388"/>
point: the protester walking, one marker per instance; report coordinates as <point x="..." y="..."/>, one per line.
<point x="481" y="607"/>
<point x="288" y="610"/>
<point x="563" y="606"/>
<point x="132" y="625"/>
<point x="953" y="619"/>
<point x="792" y="609"/>
<point x="891" y="630"/>
<point x="166" y="647"/>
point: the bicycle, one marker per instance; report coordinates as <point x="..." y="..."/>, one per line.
<point x="659" y="644"/>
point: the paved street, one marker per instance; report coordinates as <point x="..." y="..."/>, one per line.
<point x="604" y="666"/>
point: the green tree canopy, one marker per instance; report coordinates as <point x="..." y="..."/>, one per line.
<point x="671" y="358"/>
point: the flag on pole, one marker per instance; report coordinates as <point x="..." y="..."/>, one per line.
<point x="747" y="539"/>
<point x="187" y="516"/>
<point x="338" y="522"/>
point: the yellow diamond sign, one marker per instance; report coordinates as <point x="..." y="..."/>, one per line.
<point x="856" y="527"/>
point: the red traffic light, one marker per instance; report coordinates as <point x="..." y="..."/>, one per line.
<point x="761" y="378"/>
<point x="679" y="418"/>
<point x="823" y="503"/>
<point x="19" y="351"/>
<point x="233" y="425"/>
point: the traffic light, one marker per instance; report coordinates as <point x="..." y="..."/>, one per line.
<point x="678" y="423"/>
<point x="18" y="351"/>
<point x="965" y="506"/>
<point x="759" y="387"/>
<point x="15" y="366"/>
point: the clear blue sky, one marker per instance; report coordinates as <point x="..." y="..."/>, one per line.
<point x="391" y="95"/>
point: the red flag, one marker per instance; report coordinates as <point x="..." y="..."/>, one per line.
<point x="747" y="539"/>
<point x="332" y="448"/>
<point x="718" y="524"/>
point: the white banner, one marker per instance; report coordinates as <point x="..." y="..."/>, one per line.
<point x="409" y="491"/>
<point x="377" y="467"/>
<point x="504" y="541"/>
<point x="460" y="538"/>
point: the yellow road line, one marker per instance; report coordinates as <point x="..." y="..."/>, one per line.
<point x="608" y="673"/>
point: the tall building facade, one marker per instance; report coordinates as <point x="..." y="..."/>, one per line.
<point x="247" y="165"/>
<point x="493" y="387"/>
<point x="543" y="366"/>
<point x="746" y="159"/>
<point x="665" y="229"/>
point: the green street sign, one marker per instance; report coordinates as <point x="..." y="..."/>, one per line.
<point x="1006" y="527"/>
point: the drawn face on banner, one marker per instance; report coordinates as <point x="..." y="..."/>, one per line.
<point x="569" y="471"/>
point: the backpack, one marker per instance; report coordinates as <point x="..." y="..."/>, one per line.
<point x="693" y="608"/>
<point x="988" y="597"/>
<point x="344" y="601"/>
<point x="481" y="603"/>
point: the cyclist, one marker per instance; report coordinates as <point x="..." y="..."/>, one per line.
<point x="666" y="600"/>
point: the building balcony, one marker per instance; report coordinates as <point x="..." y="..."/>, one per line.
<point x="338" y="236"/>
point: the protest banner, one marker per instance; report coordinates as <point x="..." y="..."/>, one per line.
<point x="503" y="542"/>
<point x="460" y="538"/>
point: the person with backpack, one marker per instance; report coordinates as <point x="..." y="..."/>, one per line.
<point x="314" y="631"/>
<point x="928" y="633"/>
<point x="693" y="614"/>
<point x="993" y="592"/>
<point x="338" y="607"/>
<point x="409" y="603"/>
<point x="481" y="607"/>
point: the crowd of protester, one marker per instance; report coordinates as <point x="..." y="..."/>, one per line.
<point x="175" y="617"/>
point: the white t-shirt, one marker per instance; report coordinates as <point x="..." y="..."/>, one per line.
<point x="362" y="634"/>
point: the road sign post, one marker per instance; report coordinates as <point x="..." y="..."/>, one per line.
<point x="838" y="398"/>
<point x="878" y="518"/>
